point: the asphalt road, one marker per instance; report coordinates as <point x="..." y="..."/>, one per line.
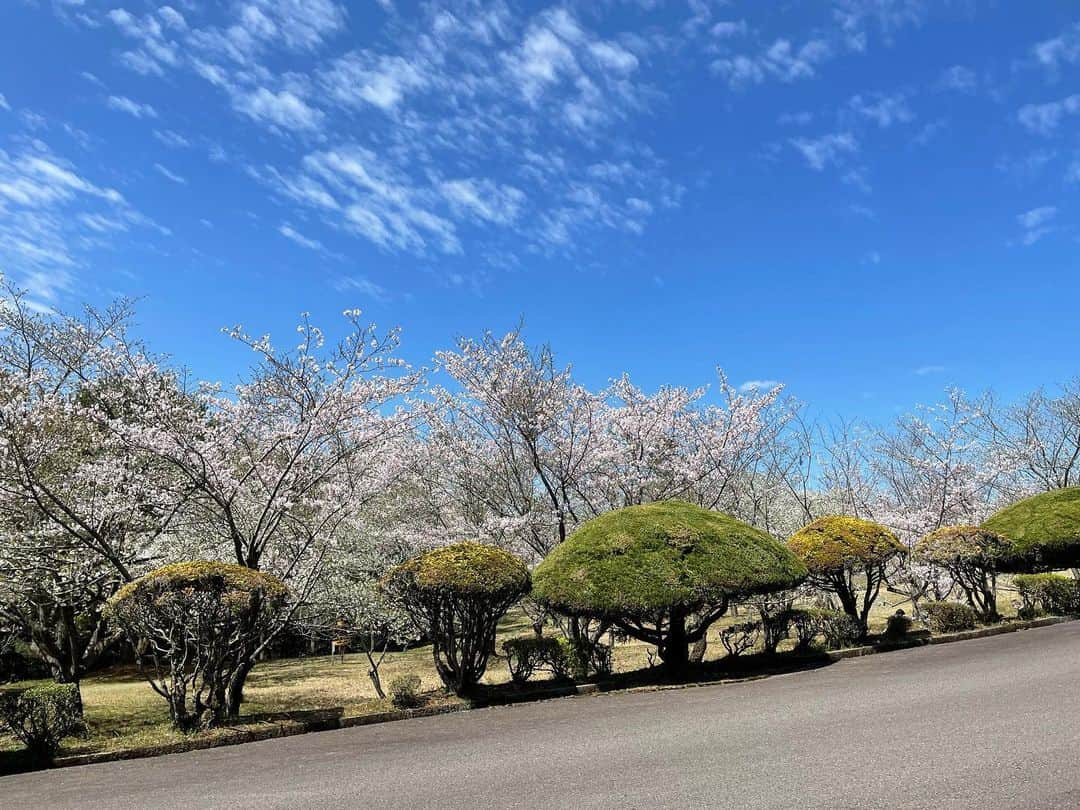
<point x="988" y="723"/>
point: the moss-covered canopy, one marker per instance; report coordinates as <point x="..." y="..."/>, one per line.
<point x="1043" y="531"/>
<point x="642" y="560"/>
<point x="204" y="576"/>
<point x="468" y="568"/>
<point x="836" y="542"/>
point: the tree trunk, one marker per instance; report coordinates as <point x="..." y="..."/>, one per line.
<point x="675" y="650"/>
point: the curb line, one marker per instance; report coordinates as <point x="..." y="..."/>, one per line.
<point x="239" y="736"/>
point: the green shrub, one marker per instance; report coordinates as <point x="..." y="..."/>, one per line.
<point x="405" y="691"/>
<point x="740" y="638"/>
<point x="1047" y="593"/>
<point x="950" y="617"/>
<point x="837" y="629"/>
<point x="897" y="626"/>
<point x="803" y="622"/>
<point x="841" y="551"/>
<point x="201" y="622"/>
<point x="1043" y="531"/>
<point x="41" y="716"/>
<point x="662" y="573"/>
<point x="527" y="655"/>
<point x="456" y="595"/>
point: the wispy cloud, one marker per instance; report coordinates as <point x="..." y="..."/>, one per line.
<point x="923" y="371"/>
<point x="292" y="234"/>
<point x="825" y="150"/>
<point x="958" y="78"/>
<point x="1036" y="223"/>
<point x="1056" y="52"/>
<point x="758" y="385"/>
<point x="363" y="286"/>
<point x="883" y="109"/>
<point x="283" y="109"/>
<point x="1045" y="119"/>
<point x="51" y="215"/>
<point x="126" y="105"/>
<point x="780" y="61"/>
<point x="170" y="175"/>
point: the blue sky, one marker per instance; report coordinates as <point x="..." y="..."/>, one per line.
<point x="868" y="200"/>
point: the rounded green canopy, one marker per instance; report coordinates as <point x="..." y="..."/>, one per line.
<point x="1043" y="531"/>
<point x="642" y="560"/>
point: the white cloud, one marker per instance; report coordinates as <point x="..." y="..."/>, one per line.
<point x="884" y="110"/>
<point x="751" y="386"/>
<point x="169" y="175"/>
<point x="4" y="103"/>
<point x="1063" y="49"/>
<point x="282" y="109"/>
<point x="825" y="150"/>
<point x="50" y="214"/>
<point x="923" y="371"/>
<point x="1036" y="223"/>
<point x="1036" y="216"/>
<point x="361" y="78"/>
<point x="959" y="78"/>
<point x="172" y="139"/>
<point x="362" y="285"/>
<point x="729" y="28"/>
<point x="1045" y="118"/>
<point x="485" y="199"/>
<point x="289" y="232"/>
<point x="126" y="105"/>
<point x="780" y="61"/>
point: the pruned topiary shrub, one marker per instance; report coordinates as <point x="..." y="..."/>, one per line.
<point x="405" y="691"/>
<point x="41" y="716"/>
<point x="1043" y="531"/>
<point x="662" y="572"/>
<point x="970" y="555"/>
<point x="456" y="595"/>
<point x="848" y="557"/>
<point x="198" y="622"/>
<point x="949" y="617"/>
<point x="1055" y="594"/>
<point x="740" y="638"/>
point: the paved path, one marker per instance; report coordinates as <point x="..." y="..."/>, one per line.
<point x="988" y="723"/>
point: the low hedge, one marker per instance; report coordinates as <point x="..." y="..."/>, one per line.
<point x="41" y="716"/>
<point x="950" y="617"/>
<point x="740" y="638"/>
<point x="405" y="691"/>
<point x="1055" y="594"/>
<point x="836" y="628"/>
<point x="528" y="655"/>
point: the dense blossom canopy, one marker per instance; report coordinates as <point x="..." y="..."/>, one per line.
<point x="837" y="542"/>
<point x="644" y="559"/>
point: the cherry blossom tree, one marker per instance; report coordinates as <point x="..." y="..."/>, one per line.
<point x="79" y="513"/>
<point x="279" y="466"/>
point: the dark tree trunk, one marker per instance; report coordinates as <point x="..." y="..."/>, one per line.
<point x="675" y="651"/>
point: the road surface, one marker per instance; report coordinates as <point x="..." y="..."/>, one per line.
<point x="988" y="723"/>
